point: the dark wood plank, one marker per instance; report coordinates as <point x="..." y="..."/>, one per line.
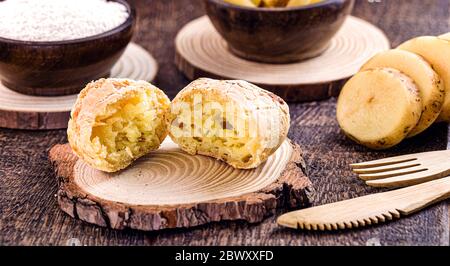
<point x="29" y="214"/>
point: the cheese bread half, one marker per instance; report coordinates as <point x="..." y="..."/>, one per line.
<point x="116" y="121"/>
<point x="233" y="121"/>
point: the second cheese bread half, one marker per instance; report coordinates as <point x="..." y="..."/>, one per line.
<point x="233" y="121"/>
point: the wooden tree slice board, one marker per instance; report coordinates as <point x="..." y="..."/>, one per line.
<point x="20" y="111"/>
<point x="171" y="189"/>
<point x="201" y="51"/>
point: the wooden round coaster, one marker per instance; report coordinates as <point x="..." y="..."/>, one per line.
<point x="201" y="51"/>
<point x="171" y="189"/>
<point x="19" y="111"/>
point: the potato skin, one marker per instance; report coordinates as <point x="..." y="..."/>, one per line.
<point x="407" y="123"/>
<point x="436" y="51"/>
<point x="430" y="85"/>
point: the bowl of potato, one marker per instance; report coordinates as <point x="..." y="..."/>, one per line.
<point x="278" y="31"/>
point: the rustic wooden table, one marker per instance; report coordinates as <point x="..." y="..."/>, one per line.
<point x="29" y="214"/>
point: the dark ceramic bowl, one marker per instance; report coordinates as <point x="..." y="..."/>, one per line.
<point x="278" y="35"/>
<point x="63" y="67"/>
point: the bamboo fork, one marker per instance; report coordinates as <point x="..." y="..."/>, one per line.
<point x="404" y="170"/>
<point x="397" y="171"/>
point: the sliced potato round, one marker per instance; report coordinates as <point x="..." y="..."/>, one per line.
<point x="437" y="52"/>
<point x="431" y="88"/>
<point x="378" y="108"/>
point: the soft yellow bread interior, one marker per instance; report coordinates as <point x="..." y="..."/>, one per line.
<point x="223" y="134"/>
<point x="128" y="129"/>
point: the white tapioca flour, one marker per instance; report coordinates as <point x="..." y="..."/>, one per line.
<point x="58" y="20"/>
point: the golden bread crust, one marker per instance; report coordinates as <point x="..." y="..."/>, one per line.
<point x="93" y="102"/>
<point x="262" y="107"/>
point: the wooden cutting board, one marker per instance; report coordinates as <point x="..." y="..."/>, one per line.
<point x="171" y="189"/>
<point x="202" y="52"/>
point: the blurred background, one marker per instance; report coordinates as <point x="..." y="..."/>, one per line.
<point x="160" y="20"/>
